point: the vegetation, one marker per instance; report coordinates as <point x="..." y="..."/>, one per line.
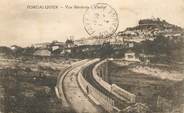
<point x="28" y="92"/>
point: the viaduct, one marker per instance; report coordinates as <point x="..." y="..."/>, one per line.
<point x="92" y="79"/>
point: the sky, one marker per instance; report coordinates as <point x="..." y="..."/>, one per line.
<point x="23" y="26"/>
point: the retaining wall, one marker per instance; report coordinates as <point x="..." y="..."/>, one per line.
<point x="95" y="95"/>
<point x="114" y="89"/>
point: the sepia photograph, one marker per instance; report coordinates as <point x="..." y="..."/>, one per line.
<point x="92" y="56"/>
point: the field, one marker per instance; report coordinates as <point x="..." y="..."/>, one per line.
<point x="29" y="88"/>
<point x="146" y="88"/>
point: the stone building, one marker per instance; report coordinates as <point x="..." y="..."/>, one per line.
<point x="42" y="54"/>
<point x="131" y="56"/>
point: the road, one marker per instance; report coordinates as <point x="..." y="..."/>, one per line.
<point x="74" y="95"/>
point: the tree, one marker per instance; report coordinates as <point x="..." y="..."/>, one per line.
<point x="106" y="50"/>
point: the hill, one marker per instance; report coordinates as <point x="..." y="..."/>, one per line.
<point x="149" y="29"/>
<point x="5" y="52"/>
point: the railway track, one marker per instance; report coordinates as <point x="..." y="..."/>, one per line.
<point x="87" y="74"/>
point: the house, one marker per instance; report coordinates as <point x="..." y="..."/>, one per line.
<point x="53" y="48"/>
<point x="55" y="45"/>
<point x="42" y="53"/>
<point x="129" y="44"/>
<point x="131" y="56"/>
<point x="41" y="45"/>
<point x="14" y="47"/>
<point x="68" y="50"/>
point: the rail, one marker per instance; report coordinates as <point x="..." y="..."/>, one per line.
<point x="111" y="97"/>
<point x="114" y="89"/>
<point x="98" y="97"/>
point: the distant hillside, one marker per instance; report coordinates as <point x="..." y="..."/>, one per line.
<point x="149" y="29"/>
<point x="5" y="52"/>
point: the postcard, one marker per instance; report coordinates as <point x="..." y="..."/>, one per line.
<point x="91" y="56"/>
